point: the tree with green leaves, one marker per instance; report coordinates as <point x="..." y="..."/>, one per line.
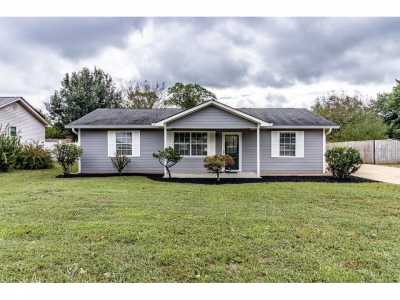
<point x="188" y="95"/>
<point x="144" y="94"/>
<point x="168" y="158"/>
<point x="66" y="155"/>
<point x="81" y="93"/>
<point x="356" y="119"/>
<point x="388" y="106"/>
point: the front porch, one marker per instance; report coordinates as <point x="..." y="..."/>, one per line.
<point x="236" y="175"/>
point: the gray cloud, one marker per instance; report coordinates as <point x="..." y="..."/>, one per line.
<point x="72" y="37"/>
<point x="220" y="53"/>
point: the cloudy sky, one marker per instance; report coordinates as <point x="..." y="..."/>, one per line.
<point x="268" y="62"/>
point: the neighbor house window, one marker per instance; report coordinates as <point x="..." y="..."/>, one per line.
<point x="124" y="143"/>
<point x="190" y="143"/>
<point x="287" y="144"/>
<point x="13" y="131"/>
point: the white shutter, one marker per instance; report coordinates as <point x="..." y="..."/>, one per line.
<point x="274" y="143"/>
<point x="211" y="143"/>
<point x="299" y="143"/>
<point x="170" y="139"/>
<point x="136" y="143"/>
<point x="111" y="141"/>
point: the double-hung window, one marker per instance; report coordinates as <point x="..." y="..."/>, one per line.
<point x="12" y="131"/>
<point x="287" y="144"/>
<point x="123" y="143"/>
<point x="191" y="143"/>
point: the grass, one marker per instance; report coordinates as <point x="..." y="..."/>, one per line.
<point x="392" y="165"/>
<point x="133" y="229"/>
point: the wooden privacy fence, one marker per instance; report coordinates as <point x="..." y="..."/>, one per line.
<point x="374" y="151"/>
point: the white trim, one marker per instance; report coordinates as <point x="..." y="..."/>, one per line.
<point x="29" y="107"/>
<point x="299" y="144"/>
<point x="165" y="147"/>
<point x="215" y="103"/>
<point x="155" y="125"/>
<point x="135" y="143"/>
<point x="240" y="146"/>
<point x="303" y="127"/>
<point x="191" y="131"/>
<point x="79" y="144"/>
<point x="122" y="126"/>
<point x="323" y="151"/>
<point x="112" y="142"/>
<point x="298" y="154"/>
<point x="258" y="150"/>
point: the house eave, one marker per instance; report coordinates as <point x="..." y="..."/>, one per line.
<point x="217" y="104"/>
<point x="118" y="126"/>
<point x="305" y="127"/>
<point x="29" y="108"/>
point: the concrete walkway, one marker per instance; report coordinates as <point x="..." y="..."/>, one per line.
<point x="379" y="173"/>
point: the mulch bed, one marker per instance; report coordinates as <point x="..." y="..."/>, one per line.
<point x="265" y="179"/>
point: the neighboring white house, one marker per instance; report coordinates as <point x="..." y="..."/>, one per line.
<point x="21" y="119"/>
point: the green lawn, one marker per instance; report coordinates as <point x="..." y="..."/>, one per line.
<point x="133" y="229"/>
<point x="392" y="165"/>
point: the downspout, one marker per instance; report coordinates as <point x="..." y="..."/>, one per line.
<point x="324" y="148"/>
<point x="78" y="133"/>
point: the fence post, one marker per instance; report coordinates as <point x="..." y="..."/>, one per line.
<point x="374" y="151"/>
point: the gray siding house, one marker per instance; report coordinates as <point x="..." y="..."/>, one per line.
<point x="262" y="141"/>
<point x="21" y="119"/>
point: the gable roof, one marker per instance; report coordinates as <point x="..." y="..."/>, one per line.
<point x="148" y="118"/>
<point x="5" y="101"/>
<point x="217" y="104"/>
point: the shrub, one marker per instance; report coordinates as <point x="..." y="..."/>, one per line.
<point x="216" y="163"/>
<point x="33" y="157"/>
<point x="168" y="158"/>
<point x="120" y="162"/>
<point x="343" y="161"/>
<point x="10" y="147"/>
<point x="66" y="155"/>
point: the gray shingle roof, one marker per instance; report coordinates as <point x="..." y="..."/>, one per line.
<point x="145" y="117"/>
<point x="120" y="116"/>
<point x="288" y="116"/>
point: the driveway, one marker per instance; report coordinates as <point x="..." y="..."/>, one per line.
<point x="379" y="173"/>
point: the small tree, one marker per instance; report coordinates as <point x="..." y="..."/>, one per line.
<point x="216" y="163"/>
<point x="120" y="162"/>
<point x="66" y="155"/>
<point x="343" y="161"/>
<point x="168" y="158"/>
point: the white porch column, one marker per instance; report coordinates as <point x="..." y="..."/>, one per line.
<point x="323" y="151"/>
<point x="79" y="144"/>
<point x="258" y="151"/>
<point x="165" y="144"/>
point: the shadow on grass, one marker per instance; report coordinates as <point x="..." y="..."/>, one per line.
<point x="213" y="181"/>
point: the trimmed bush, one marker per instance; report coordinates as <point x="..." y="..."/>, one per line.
<point x="10" y="147"/>
<point x="343" y="161"/>
<point x="67" y="155"/>
<point x="216" y="163"/>
<point x="120" y="162"/>
<point x="34" y="157"/>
